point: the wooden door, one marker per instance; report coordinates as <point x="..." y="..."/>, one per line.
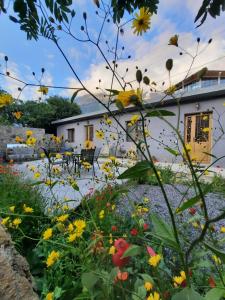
<point x="198" y="134"/>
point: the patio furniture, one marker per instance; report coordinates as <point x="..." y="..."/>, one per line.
<point x="86" y="155"/>
<point x="96" y="155"/>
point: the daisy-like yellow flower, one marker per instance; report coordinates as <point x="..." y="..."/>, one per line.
<point x="99" y="134"/>
<point x="88" y="144"/>
<point x="205" y="129"/>
<point x="48" y="182"/>
<point x="37" y="175"/>
<point x="86" y="165"/>
<point x="133" y="120"/>
<point x="12" y="208"/>
<point x="129" y="97"/>
<point x="5" y="100"/>
<point x="42" y="155"/>
<point x="108" y="121"/>
<point x="43" y="90"/>
<point x="154" y="260"/>
<point x="70" y="227"/>
<point x="52" y="258"/>
<point x="58" y="156"/>
<point x="79" y="224"/>
<point x="16" y="222"/>
<point x="29" y="133"/>
<point x="17" y="114"/>
<point x="47" y="234"/>
<point x="4" y="221"/>
<point x="148" y="286"/>
<point x="154" y="296"/>
<point x="142" y="20"/>
<point x="31" y="141"/>
<point x="72" y="237"/>
<point x="101" y="214"/>
<point x="62" y="218"/>
<point x="174" y="40"/>
<point x="178" y="280"/>
<point x="222" y="229"/>
<point x="18" y="139"/>
<point x="112" y="250"/>
<point x="49" y="296"/>
<point x="27" y="209"/>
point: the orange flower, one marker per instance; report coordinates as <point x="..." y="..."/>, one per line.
<point x="17" y="114"/>
<point x="122" y="276"/>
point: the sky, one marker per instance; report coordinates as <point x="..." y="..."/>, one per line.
<point x="150" y="51"/>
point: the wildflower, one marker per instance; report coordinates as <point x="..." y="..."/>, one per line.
<point x="48" y="182"/>
<point x="27" y="209"/>
<point x="62" y="218"/>
<point x="68" y="153"/>
<point x="133" y="120"/>
<point x="110" y="238"/>
<point x="4" y="221"/>
<point x="17" y="114"/>
<point x="42" y="155"/>
<point x="112" y="250"/>
<point x="148" y="286"/>
<point x="154" y="260"/>
<point x="146" y="200"/>
<point x="37" y="175"/>
<point x="29" y="133"/>
<point x="141" y="22"/>
<point x="49" y="296"/>
<point x="222" y="229"/>
<point x="216" y="259"/>
<point x="47" y="234"/>
<point x="70" y="227"/>
<point x="129" y="97"/>
<point x="179" y="280"/>
<point x="72" y="237"/>
<point x="86" y="165"/>
<point x="192" y="211"/>
<point x="195" y="224"/>
<point x="174" y="40"/>
<point x="122" y="276"/>
<point x="205" y="129"/>
<point x="99" y="134"/>
<point x="154" y="296"/>
<point x="18" y="139"/>
<point x="58" y="156"/>
<point x="31" y="141"/>
<point x="212" y="282"/>
<point x="113" y="207"/>
<point x="145" y="226"/>
<point x="88" y="144"/>
<point x="16" y="222"/>
<point x="80" y="224"/>
<point x="52" y="258"/>
<point x="188" y="147"/>
<point x="12" y="208"/>
<point x="5" y="99"/>
<point x="134" y="232"/>
<point x="114" y="228"/>
<point x="101" y="214"/>
<point x="108" y="121"/>
<point x="43" y="90"/>
<point x="171" y="90"/>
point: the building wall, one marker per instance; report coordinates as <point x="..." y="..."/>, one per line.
<point x="161" y="134"/>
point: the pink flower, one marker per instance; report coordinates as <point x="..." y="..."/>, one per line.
<point x="145" y="226"/>
<point x="151" y="252"/>
<point x="134" y="232"/>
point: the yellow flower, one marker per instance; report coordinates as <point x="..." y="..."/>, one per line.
<point x="12" y="208"/>
<point x="62" y="218"/>
<point x="188" y="148"/>
<point x="49" y="296"/>
<point x="171" y="90"/>
<point x="205" y="130"/>
<point x="43" y="89"/>
<point x="133" y="120"/>
<point x="113" y="207"/>
<point x="29" y="133"/>
<point x="205" y="118"/>
<point x="42" y="155"/>
<point x="27" y="209"/>
<point x="141" y="22"/>
<point x="48" y="182"/>
<point x="178" y="280"/>
<point x="216" y="259"/>
<point x="67" y="153"/>
<point x="17" y="114"/>
<point x="47" y="234"/>
<point x="72" y="237"/>
<point x="174" y="40"/>
<point x="18" y="139"/>
<point x="129" y="97"/>
<point x="154" y="296"/>
<point x="58" y="156"/>
<point x="88" y="144"/>
<point x="102" y="214"/>
<point x="108" y="121"/>
<point x="16" y="222"/>
<point x="86" y="165"/>
<point x="70" y="227"/>
<point x="4" y="221"/>
<point x="112" y="250"/>
<point x="5" y="99"/>
<point x="80" y="224"/>
<point x="52" y="258"/>
<point x="148" y="286"/>
<point x="31" y="141"/>
<point x="195" y="224"/>
<point x="99" y="134"/>
<point x="146" y="200"/>
<point x="110" y="239"/>
<point x="37" y="175"/>
<point x="154" y="260"/>
<point x="222" y="229"/>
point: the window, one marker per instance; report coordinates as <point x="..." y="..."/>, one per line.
<point x="222" y="80"/>
<point x="135" y="131"/>
<point x="89" y="132"/>
<point x="202" y="122"/>
<point x="70" y="135"/>
<point x="209" y="82"/>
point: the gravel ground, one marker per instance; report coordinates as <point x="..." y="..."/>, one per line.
<point x="215" y="201"/>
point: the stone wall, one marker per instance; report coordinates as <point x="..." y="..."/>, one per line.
<point x="8" y="134"/>
<point x="16" y="279"/>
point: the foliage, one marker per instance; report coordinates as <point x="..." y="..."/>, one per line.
<point x="212" y="7"/>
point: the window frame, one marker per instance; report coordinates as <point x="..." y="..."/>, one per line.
<point x="71" y="130"/>
<point x="89" y="132"/>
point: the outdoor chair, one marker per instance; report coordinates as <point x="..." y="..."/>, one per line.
<point x="87" y="155"/>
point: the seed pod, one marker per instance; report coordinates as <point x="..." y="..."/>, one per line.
<point x="169" y="64"/>
<point x="210" y="41"/>
<point x="6" y="58"/>
<point x="198" y="39"/>
<point x="42" y="70"/>
<point x="139" y="76"/>
<point x="96" y="2"/>
<point x="146" y="80"/>
<point x="85" y="16"/>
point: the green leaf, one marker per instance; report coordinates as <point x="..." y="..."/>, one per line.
<point x="215" y="294"/>
<point x="113" y="92"/>
<point x="210" y="154"/>
<point x="189" y="203"/>
<point x="160" y="113"/>
<point x="132" y="251"/>
<point x="172" y="151"/>
<point x="136" y="171"/>
<point x="163" y="231"/>
<point x="58" y="292"/>
<point x="216" y="251"/>
<point x="89" y="280"/>
<point x="187" y="294"/>
<point x="147" y="278"/>
<point x="75" y="95"/>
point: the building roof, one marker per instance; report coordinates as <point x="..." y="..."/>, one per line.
<point x="155" y="101"/>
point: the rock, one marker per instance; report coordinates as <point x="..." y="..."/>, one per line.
<point x="15" y="276"/>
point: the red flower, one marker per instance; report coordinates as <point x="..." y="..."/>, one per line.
<point x="192" y="211"/>
<point x="122" y="276"/>
<point x="212" y="282"/>
<point x="114" y="228"/>
<point x="118" y="261"/>
<point x="134" y="232"/>
<point x="145" y="226"/>
<point x="121" y="246"/>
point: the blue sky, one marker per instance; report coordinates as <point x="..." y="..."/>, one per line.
<point x="149" y="51"/>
